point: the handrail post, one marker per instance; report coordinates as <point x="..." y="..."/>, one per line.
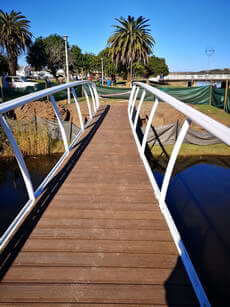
<point x="59" y="119"/>
<point x="18" y="156"/>
<point x="131" y="97"/>
<point x="153" y="111"/>
<point x="139" y="108"/>
<point x="78" y="108"/>
<point x="96" y="95"/>
<point x="87" y="101"/>
<point x="134" y="101"/>
<point x="93" y="98"/>
<point x="172" y="159"/>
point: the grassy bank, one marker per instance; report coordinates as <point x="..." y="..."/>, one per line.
<point x="195" y="150"/>
<point x="218" y="154"/>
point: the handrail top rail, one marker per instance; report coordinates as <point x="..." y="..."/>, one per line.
<point x="219" y="130"/>
<point x="20" y="101"/>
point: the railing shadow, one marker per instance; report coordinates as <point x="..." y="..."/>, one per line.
<point x="178" y="289"/>
<point x="19" y="239"/>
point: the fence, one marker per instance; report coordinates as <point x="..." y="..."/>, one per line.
<point x="218" y="130"/>
<point x="92" y="102"/>
<point x="196" y="95"/>
<point x="12" y="92"/>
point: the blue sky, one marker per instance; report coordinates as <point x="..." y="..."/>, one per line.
<point x="182" y="29"/>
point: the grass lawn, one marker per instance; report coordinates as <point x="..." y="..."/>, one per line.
<point x="215" y="113"/>
<point x="195" y="150"/>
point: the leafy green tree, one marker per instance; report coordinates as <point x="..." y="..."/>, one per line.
<point x="156" y="66"/>
<point x="37" y="57"/>
<point x="48" y="52"/>
<point x="75" y="58"/>
<point x="90" y="63"/>
<point x="55" y="53"/>
<point x="15" y="36"/>
<point x="108" y="66"/>
<point x="131" y="41"/>
<point x="139" y="70"/>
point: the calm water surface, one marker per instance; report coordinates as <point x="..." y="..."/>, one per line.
<point x="199" y="201"/>
<point x="12" y="188"/>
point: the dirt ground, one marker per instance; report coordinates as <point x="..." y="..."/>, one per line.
<point x="165" y="114"/>
<point x="41" y="109"/>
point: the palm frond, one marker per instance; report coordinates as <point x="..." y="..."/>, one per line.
<point x="131" y="40"/>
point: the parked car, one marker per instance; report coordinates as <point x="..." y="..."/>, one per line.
<point x="45" y="75"/>
<point x="41" y="75"/>
<point x="18" y="82"/>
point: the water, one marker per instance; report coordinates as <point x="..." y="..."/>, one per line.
<point x="12" y="188"/>
<point x="205" y="83"/>
<point x="199" y="201"/>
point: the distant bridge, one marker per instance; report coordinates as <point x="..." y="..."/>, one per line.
<point x="196" y="77"/>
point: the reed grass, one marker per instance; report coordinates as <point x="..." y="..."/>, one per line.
<point x="33" y="140"/>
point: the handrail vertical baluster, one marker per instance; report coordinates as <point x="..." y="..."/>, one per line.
<point x="59" y="119"/>
<point x="88" y="103"/>
<point x="172" y="160"/>
<point x="139" y="108"/>
<point x="78" y="109"/>
<point x="18" y="156"/>
<point x="153" y="111"/>
<point x="93" y="99"/>
<point x="131" y="97"/>
<point x="134" y="101"/>
<point x="96" y="95"/>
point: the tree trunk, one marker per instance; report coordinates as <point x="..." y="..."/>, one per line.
<point x="13" y="65"/>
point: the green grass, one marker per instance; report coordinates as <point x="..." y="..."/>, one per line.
<point x="195" y="150"/>
<point x="215" y="113"/>
<point x="189" y="155"/>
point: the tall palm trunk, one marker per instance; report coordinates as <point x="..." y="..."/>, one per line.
<point x="13" y="65"/>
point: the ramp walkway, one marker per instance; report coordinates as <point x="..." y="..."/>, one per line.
<point x="102" y="239"/>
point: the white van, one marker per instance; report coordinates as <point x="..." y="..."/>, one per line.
<point x="17" y="82"/>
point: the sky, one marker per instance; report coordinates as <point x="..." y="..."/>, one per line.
<point x="182" y="29"/>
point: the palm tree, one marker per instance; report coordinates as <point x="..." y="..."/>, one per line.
<point x="15" y="36"/>
<point x="131" y="41"/>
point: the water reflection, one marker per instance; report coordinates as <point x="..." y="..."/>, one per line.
<point x="199" y="201"/>
<point x="12" y="188"/>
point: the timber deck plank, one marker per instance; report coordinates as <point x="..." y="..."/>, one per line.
<point x="102" y="241"/>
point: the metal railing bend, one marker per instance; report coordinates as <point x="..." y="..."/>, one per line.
<point x="92" y="100"/>
<point x="217" y="129"/>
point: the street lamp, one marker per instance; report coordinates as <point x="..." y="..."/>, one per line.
<point x="209" y="52"/>
<point x="102" y="72"/>
<point x="67" y="67"/>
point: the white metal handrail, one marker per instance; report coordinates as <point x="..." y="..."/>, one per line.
<point x="217" y="129"/>
<point x="89" y="91"/>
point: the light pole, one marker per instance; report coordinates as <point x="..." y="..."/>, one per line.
<point x="67" y="67"/>
<point x="102" y="72"/>
<point x="209" y="52"/>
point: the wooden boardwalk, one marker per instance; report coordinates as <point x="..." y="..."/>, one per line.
<point x="102" y="239"/>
